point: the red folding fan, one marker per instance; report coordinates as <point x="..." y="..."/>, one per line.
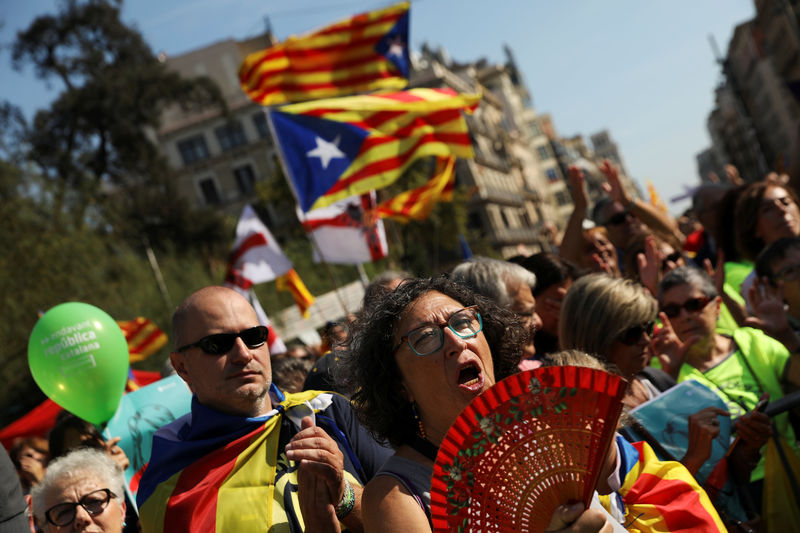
<point x="532" y="442"/>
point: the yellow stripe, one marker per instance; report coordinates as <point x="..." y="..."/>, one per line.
<point x="154" y="509"/>
<point x="387" y="178"/>
<point x="276" y="80"/>
<point x="289" y="96"/>
<point x="431" y="101"/>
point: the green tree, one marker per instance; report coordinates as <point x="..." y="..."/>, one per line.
<point x="92" y="145"/>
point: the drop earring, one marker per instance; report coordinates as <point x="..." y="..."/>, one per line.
<point x="419" y="420"/>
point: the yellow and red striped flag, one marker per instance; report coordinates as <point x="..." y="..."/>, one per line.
<point x="363" y="53"/>
<point x="291" y="282"/>
<point x="143" y="336"/>
<point x="417" y="204"/>
<point x="342" y="147"/>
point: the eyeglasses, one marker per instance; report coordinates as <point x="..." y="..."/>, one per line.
<point x="618" y="219"/>
<point x="692" y="305"/>
<point x="633" y="335"/>
<point x="788" y="273"/>
<point x="94" y="503"/>
<point x="221" y="343"/>
<point x="466" y="323"/>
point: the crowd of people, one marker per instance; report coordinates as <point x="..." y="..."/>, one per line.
<point x="347" y="438"/>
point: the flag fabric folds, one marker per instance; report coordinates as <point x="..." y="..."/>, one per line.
<point x="658" y="496"/>
<point x="291" y="282"/>
<point x="336" y="148"/>
<point x="417" y="204"/>
<point x="347" y="232"/>
<point x="256" y="256"/>
<point x="143" y="336"/>
<point x="364" y="53"/>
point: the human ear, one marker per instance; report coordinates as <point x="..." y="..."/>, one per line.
<point x="178" y="361"/>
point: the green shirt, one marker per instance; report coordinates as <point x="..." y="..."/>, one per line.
<point x="739" y="388"/>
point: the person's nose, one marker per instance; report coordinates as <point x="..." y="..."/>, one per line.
<point x="240" y="353"/>
<point x="536" y="322"/>
<point x="453" y="344"/>
<point x="82" y="518"/>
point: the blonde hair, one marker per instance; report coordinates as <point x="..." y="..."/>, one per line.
<point x="598" y="309"/>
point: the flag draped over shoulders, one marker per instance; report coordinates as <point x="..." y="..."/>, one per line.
<point x="365" y="52"/>
<point x="341" y="147"/>
<point x="660" y="496"/>
<point x="215" y="472"/>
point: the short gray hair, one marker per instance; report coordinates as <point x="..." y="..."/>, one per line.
<point x="80" y="461"/>
<point x="489" y="277"/>
<point x="688" y="275"/>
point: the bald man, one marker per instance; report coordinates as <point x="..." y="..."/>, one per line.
<point x="249" y="457"/>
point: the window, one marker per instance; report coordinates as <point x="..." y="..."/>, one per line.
<point x="543" y="152"/>
<point x="210" y="192"/>
<point x="260" y="122"/>
<point x="193" y="149"/>
<point x="504" y="218"/>
<point x="551" y="174"/>
<point x="245" y="179"/>
<point x="561" y="198"/>
<point x="230" y="136"/>
<point x="535" y="129"/>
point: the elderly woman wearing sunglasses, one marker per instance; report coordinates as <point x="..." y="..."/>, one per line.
<point x="81" y="491"/>
<point x="741" y="367"/>
<point x="421" y="356"/>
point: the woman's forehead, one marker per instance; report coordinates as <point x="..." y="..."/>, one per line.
<point x="431" y="306"/>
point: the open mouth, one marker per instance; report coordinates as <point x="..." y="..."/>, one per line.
<point x="470" y="376"/>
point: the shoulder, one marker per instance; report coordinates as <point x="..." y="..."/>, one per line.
<point x="389" y="506"/>
<point x="757" y="345"/>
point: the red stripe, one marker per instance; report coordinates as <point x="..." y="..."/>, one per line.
<point x="391" y="163"/>
<point x="133" y="327"/>
<point x="149" y="340"/>
<point x="264" y="77"/>
<point x="355" y="81"/>
<point x="193" y="503"/>
<point x="252" y="241"/>
<point x="360" y="21"/>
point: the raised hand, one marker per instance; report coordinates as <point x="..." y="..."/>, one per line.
<point x="577" y="187"/>
<point x="668" y="348"/>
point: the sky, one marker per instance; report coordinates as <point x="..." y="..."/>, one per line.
<point x="644" y="70"/>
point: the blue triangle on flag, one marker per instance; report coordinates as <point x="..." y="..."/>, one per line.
<point x="394" y="45"/>
<point x="316" y="152"/>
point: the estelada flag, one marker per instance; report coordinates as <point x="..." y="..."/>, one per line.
<point x="347" y="232"/>
<point x="291" y="282"/>
<point x="256" y="256"/>
<point x="337" y="148"/>
<point x="143" y="336"/>
<point x="417" y="204"/>
<point x="364" y="53"/>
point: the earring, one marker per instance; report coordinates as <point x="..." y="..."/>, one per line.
<point x="419" y="420"/>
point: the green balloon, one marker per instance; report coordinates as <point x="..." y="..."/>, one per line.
<point x="79" y="357"/>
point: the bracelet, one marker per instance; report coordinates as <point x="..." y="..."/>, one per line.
<point x="347" y="502"/>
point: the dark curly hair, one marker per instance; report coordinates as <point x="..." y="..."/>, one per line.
<point x="369" y="370"/>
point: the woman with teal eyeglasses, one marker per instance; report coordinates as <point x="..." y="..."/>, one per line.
<point x="415" y="362"/>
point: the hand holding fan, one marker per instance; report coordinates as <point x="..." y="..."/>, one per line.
<point x="534" y="441"/>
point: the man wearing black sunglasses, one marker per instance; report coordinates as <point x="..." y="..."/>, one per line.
<point x="302" y="457"/>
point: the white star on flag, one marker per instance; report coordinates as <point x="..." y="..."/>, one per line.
<point x="326" y="151"/>
<point x="397" y="47"/>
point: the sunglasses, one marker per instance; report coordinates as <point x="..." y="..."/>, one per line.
<point x="619" y="219"/>
<point x="633" y="335"/>
<point x="221" y="343"/>
<point x="94" y="503"/>
<point x="673" y="257"/>
<point x="692" y="305"/>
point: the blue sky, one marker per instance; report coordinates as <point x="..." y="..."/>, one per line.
<point x="642" y="69"/>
